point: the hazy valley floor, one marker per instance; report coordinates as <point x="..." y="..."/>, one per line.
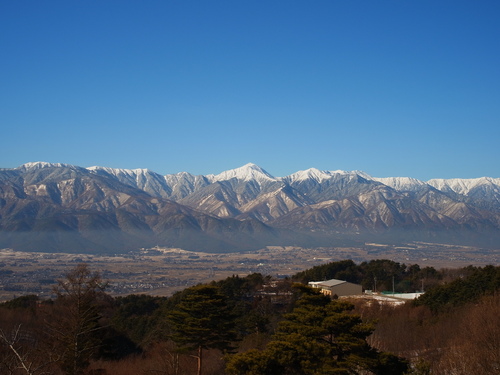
<point x="162" y="271"/>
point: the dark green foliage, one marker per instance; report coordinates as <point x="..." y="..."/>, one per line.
<point x="475" y="283"/>
<point x="343" y="270"/>
<point x="380" y="274"/>
<point x="377" y="275"/>
<point x="254" y="362"/>
<point x="115" y="345"/>
<point x="24" y="302"/>
<point x="137" y="304"/>
<point x="202" y="319"/>
<point x="298" y="330"/>
<point x="250" y="307"/>
<point x="389" y="364"/>
<point x="137" y="316"/>
<point x="320" y="336"/>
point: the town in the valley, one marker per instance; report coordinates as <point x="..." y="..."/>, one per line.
<point x="163" y="271"/>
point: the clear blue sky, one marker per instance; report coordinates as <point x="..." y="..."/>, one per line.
<point x="392" y="88"/>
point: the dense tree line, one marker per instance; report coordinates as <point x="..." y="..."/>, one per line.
<point x="377" y="275"/>
<point x="472" y="283"/>
<point x="257" y="325"/>
<point x="319" y="336"/>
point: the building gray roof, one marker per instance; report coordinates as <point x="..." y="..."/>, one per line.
<point x="327" y="283"/>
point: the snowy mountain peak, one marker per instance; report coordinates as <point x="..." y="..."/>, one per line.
<point x="42" y="164"/>
<point x="320" y="176"/>
<point x="311" y="173"/>
<point x="247" y="172"/>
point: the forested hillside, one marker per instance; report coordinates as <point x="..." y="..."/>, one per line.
<point x="258" y="325"/>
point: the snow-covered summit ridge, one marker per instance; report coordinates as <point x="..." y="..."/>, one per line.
<point x="463" y="185"/>
<point x="458" y="185"/>
<point x="400" y="183"/>
<point x="118" y="171"/>
<point x="43" y="164"/>
<point x="252" y="171"/>
<point x="313" y="174"/>
<point x="247" y="172"/>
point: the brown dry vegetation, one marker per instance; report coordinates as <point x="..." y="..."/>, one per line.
<point x="162" y="359"/>
<point x="455" y="339"/>
<point x="462" y="341"/>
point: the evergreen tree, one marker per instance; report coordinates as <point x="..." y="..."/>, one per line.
<point x="476" y="282"/>
<point x="320" y="336"/>
<point x="137" y="316"/>
<point x="202" y="320"/>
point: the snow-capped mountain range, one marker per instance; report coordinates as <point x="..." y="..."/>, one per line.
<point x="53" y="207"/>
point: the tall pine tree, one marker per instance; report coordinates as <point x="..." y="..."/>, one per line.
<point x="202" y="320"/>
<point x="320" y="336"/>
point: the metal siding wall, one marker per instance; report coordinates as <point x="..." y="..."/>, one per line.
<point x="347" y="289"/>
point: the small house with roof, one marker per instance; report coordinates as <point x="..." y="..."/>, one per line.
<point x="337" y="287"/>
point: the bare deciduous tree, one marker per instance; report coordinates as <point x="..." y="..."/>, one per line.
<point x="74" y="321"/>
<point x="26" y="355"/>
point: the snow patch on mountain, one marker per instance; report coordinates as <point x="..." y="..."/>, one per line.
<point x="136" y="177"/>
<point x="463" y="186"/>
<point x="401" y="183"/>
<point x="132" y="173"/>
<point x="42" y="164"/>
<point x="320" y="176"/>
<point x="173" y="179"/>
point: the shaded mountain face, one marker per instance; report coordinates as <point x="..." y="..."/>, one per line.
<point x="59" y="207"/>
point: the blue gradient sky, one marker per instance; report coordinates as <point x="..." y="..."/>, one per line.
<point x="392" y="88"/>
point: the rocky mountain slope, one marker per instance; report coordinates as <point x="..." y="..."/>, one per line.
<point x="60" y="207"/>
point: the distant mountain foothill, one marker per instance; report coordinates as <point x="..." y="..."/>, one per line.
<point x="65" y="208"/>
